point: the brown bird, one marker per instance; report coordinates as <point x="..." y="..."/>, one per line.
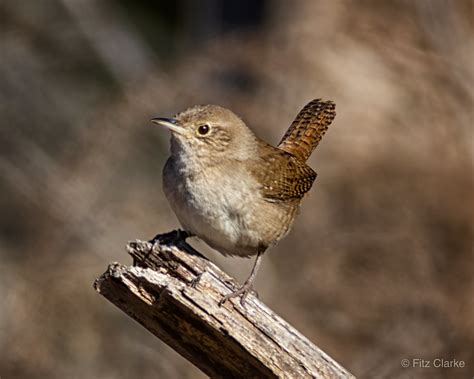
<point x="231" y="189"/>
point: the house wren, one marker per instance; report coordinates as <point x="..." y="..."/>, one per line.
<point x="231" y="189"/>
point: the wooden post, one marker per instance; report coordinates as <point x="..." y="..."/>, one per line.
<point x="174" y="293"/>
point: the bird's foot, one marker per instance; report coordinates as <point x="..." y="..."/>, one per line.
<point x="171" y="238"/>
<point x="174" y="237"/>
<point x="242" y="292"/>
<point x="196" y="280"/>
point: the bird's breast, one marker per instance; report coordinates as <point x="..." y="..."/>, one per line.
<point x="223" y="206"/>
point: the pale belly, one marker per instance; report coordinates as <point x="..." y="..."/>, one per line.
<point x="227" y="212"/>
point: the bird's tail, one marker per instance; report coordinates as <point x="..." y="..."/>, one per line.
<point x="309" y="126"/>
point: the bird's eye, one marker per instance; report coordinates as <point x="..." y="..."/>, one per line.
<point x="203" y="129"/>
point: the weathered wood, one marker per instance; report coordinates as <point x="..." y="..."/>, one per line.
<point x="174" y="293"/>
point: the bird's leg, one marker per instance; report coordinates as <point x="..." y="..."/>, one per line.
<point x="244" y="290"/>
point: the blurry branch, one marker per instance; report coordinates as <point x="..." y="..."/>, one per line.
<point x="175" y="294"/>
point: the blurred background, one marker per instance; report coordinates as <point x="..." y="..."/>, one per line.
<point x="379" y="265"/>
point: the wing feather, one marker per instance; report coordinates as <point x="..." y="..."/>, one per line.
<point x="283" y="177"/>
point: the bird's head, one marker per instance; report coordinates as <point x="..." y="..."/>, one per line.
<point x="209" y="132"/>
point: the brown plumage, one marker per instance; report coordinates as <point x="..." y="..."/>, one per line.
<point x="236" y="192"/>
<point x="283" y="177"/>
<point x="309" y="126"/>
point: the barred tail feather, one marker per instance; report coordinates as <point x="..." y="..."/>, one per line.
<point x="309" y="126"/>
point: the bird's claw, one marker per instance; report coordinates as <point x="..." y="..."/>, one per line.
<point x="173" y="237"/>
<point x="196" y="280"/>
<point x="243" y="292"/>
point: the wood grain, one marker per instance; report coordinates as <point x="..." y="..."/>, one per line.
<point x="173" y="291"/>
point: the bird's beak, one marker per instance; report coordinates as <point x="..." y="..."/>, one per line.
<point x="169" y="123"/>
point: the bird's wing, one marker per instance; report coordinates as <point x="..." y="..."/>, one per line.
<point x="283" y="177"/>
<point x="308" y="128"/>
